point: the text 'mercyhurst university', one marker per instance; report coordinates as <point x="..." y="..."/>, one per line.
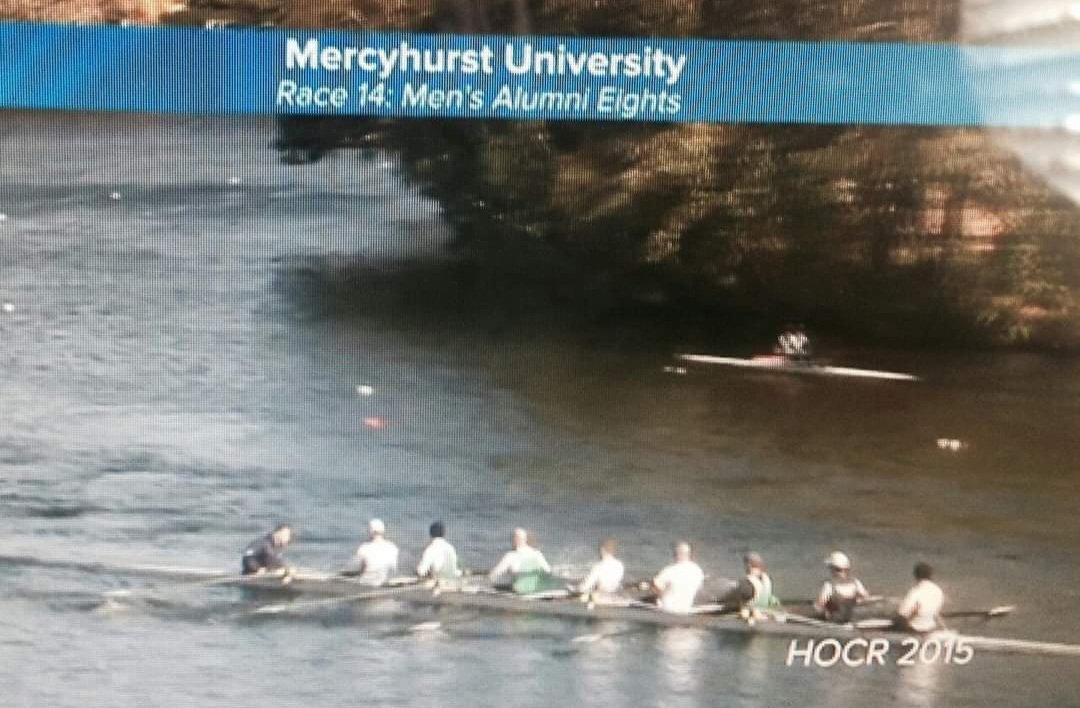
<point x="518" y="59"/>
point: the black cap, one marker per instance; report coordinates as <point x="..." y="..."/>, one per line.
<point x="923" y="571"/>
<point x="437" y="530"/>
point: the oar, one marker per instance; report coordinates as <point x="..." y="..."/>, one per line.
<point x="372" y="594"/>
<point x="999" y="611"/>
<point x="872" y="600"/>
<point x="283" y="576"/>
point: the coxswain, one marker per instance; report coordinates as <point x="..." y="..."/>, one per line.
<point x="439" y="560"/>
<point x="378" y="557"/>
<point x="920" y="609"/>
<point x="677" y="585"/>
<point x="604" y="581"/>
<point x="528" y="569"/>
<point x="754" y="591"/>
<point x="841" y="592"/>
<point x="266" y="554"/>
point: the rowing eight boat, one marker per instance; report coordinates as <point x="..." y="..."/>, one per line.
<point x="788" y="625"/>
<point x="780" y="364"/>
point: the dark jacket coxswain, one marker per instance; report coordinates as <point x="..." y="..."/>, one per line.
<point x="266" y="553"/>
<point x="754" y="592"/>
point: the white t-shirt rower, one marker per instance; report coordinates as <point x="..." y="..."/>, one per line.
<point x="678" y="584"/>
<point x="439" y="560"/>
<point x="378" y="557"/>
<point x="922" y="606"/>
<point x="605" y="577"/>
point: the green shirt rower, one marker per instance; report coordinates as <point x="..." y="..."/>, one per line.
<point x="754" y="592"/>
<point x="528" y="569"/>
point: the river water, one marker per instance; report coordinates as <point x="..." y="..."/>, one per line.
<point x="185" y="324"/>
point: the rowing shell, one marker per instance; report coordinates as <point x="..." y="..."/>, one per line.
<point x="787" y="625"/>
<point x="783" y="365"/>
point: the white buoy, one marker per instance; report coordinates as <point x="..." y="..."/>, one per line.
<point x="9" y="307"/>
<point x="365" y="390"/>
<point x="3" y="216"/>
<point x="235" y="181"/>
<point x="426" y="627"/>
<point x="115" y="196"/>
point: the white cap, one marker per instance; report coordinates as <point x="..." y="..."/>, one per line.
<point x="838" y="560"/>
<point x="376" y="526"/>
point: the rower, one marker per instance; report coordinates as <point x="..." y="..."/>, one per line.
<point x="378" y="557"/>
<point x="754" y="591"/>
<point x="793" y="343"/>
<point x="920" y="609"/>
<point x="439" y="560"/>
<point x="604" y="580"/>
<point x="528" y="569"/>
<point x="267" y="553"/>
<point x="677" y="585"/>
<point x="841" y="592"/>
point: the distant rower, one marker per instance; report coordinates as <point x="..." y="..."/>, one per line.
<point x="378" y="557"/>
<point x="754" y="591"/>
<point x="267" y="553"/>
<point x="841" y="592"/>
<point x="794" y="343"/>
<point x="439" y="560"/>
<point x="921" y="607"/>
<point x="677" y="585"/>
<point x="528" y="569"/>
<point x="604" y="580"/>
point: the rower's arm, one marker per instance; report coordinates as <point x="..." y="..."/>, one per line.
<point x="591" y="580"/>
<point x="742" y="593"/>
<point x="908" y="606"/>
<point x="426" y="563"/>
<point x="823" y="598"/>
<point x="502" y="568"/>
<point x="660" y="583"/>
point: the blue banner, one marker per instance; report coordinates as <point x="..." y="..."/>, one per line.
<point x="254" y="71"/>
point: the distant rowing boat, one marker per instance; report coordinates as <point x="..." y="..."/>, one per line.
<point x="781" y="624"/>
<point x="784" y="365"/>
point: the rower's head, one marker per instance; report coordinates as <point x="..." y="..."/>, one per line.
<point x="838" y="563"/>
<point x="437" y="530"/>
<point x="521" y="538"/>
<point x="923" y="571"/>
<point x="682" y="551"/>
<point x="376" y="528"/>
<point x="281" y="535"/>
<point x="754" y="562"/>
<point x="608" y="547"/>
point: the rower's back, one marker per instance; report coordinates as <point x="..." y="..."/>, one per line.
<point x="439" y="561"/>
<point x="378" y="560"/>
<point x="532" y="573"/>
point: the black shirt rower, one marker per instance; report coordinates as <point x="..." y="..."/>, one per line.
<point x="267" y="553"/>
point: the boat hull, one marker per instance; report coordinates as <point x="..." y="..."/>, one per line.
<point x="782" y="365"/>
